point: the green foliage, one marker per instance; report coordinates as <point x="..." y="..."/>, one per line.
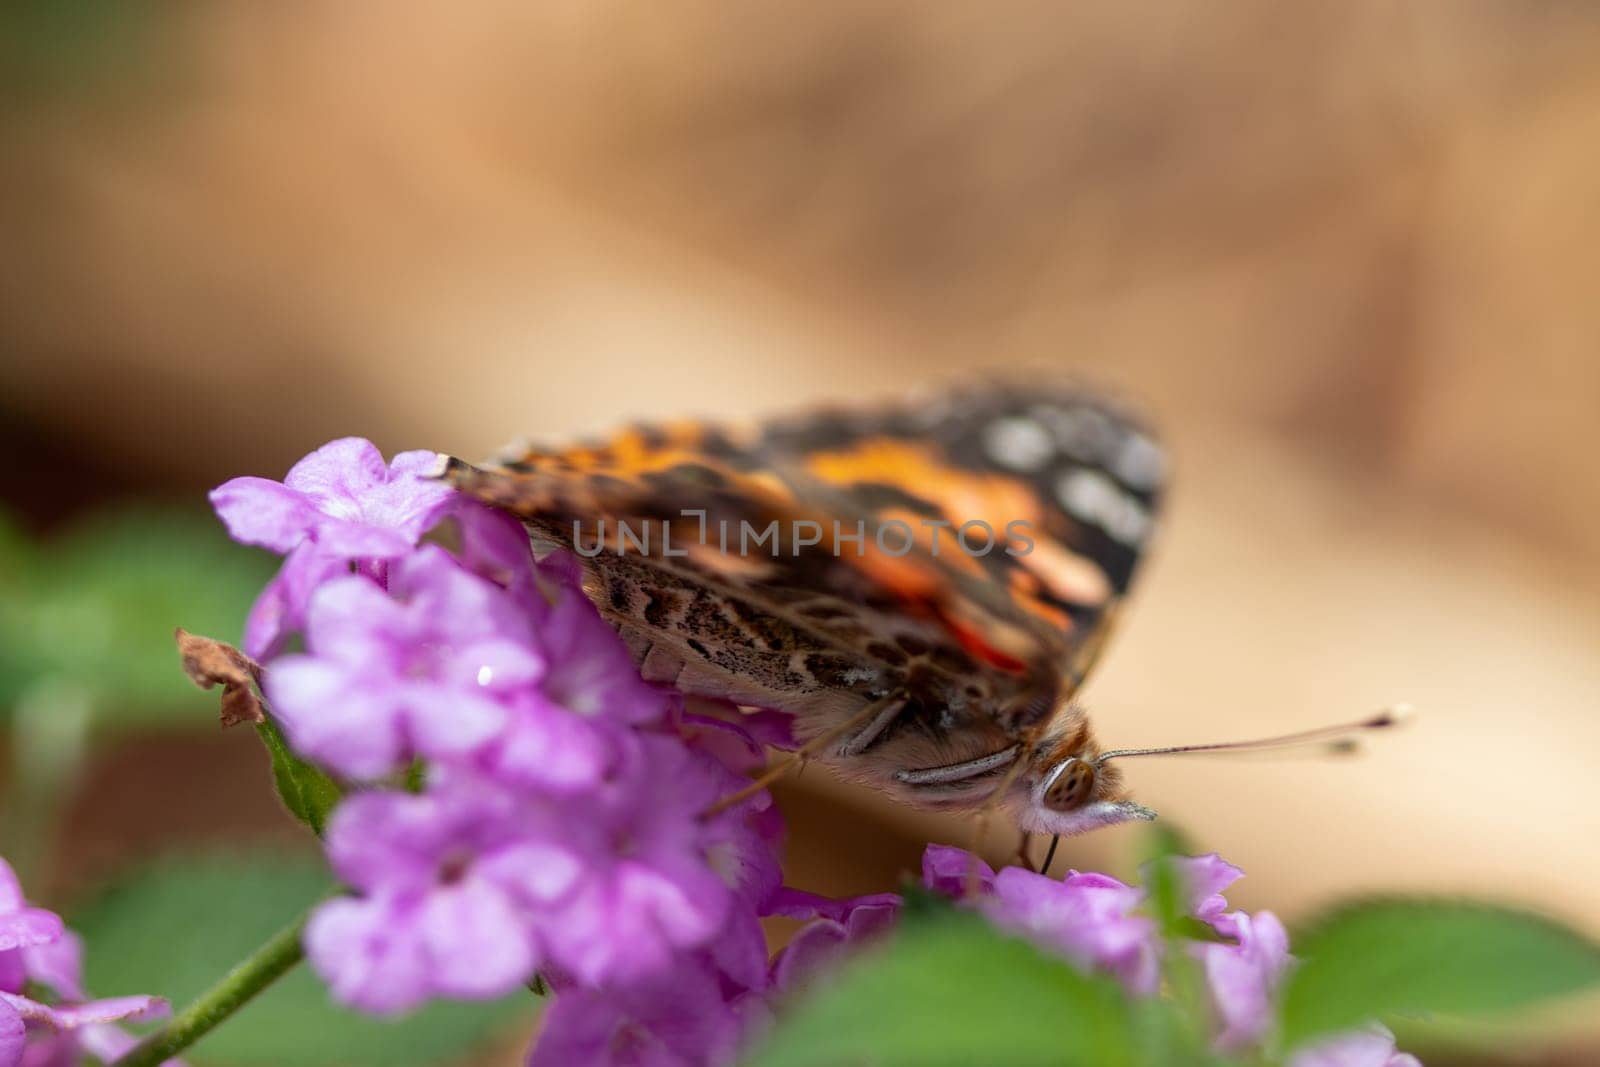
<point x="949" y="989"/>
<point x="1163" y="883"/>
<point x="96" y="608"/>
<point x="308" y="793"/>
<point x="1412" y="956"/>
<point x="177" y="925"/>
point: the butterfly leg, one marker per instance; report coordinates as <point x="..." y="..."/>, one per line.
<point x="864" y="738"/>
<point x="981" y="831"/>
<point x="1022" y="857"/>
<point x="959" y="772"/>
<point x="1050" y="855"/>
<point x="864" y="718"/>
<point x="1009" y="758"/>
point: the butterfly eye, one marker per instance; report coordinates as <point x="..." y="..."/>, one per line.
<point x="1069" y="784"/>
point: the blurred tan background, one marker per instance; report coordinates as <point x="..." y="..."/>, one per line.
<point x="1347" y="253"/>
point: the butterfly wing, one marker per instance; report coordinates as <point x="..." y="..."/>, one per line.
<point x="968" y="551"/>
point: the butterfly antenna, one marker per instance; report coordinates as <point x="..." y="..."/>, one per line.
<point x="1336" y="738"/>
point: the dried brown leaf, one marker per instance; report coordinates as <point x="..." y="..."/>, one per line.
<point x="209" y="663"/>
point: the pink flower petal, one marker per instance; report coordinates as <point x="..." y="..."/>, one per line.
<point x="546" y="746"/>
<point x="281" y="608"/>
<point x="351" y="730"/>
<point x="106" y="1043"/>
<point x="948" y="870"/>
<point x="352" y="539"/>
<point x="13" y="1035"/>
<point x="1089" y="918"/>
<point x="842" y="925"/>
<point x="1204" y="879"/>
<point x="679" y="1020"/>
<point x="1373" y="1047"/>
<point x="388" y="841"/>
<point x="493" y="544"/>
<point x="478" y="945"/>
<point x="368" y="957"/>
<point x="409" y="499"/>
<point x="28" y="926"/>
<point x="445" y="722"/>
<point x="1244" y="977"/>
<point x="336" y="475"/>
<point x="798" y="904"/>
<point x="259" y="511"/>
<point x="541" y="873"/>
<point x="58" y="965"/>
<point x="113" y="1009"/>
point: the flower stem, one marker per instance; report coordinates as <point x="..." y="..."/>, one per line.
<point x="250" y="976"/>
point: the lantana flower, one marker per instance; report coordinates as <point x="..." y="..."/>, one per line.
<point x="1372" y="1047"/>
<point x="835" y="928"/>
<point x="448" y="883"/>
<point x="1096" y="922"/>
<point x="342" y="497"/>
<point x="559" y="829"/>
<point x="648" y="888"/>
<point x="427" y="669"/>
<point x="37" y="949"/>
<point x="683" y="1019"/>
<point x="339" y="506"/>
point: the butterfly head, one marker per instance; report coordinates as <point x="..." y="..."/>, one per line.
<point x="1069" y="784"/>
<point x="1066" y="787"/>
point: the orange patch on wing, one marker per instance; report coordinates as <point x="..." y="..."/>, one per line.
<point x="960" y="495"/>
<point x="907" y="578"/>
<point x="973" y="640"/>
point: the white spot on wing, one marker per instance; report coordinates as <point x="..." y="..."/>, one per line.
<point x="1085" y="433"/>
<point x="1139" y="462"/>
<point x="1090" y="496"/>
<point x="1017" y="443"/>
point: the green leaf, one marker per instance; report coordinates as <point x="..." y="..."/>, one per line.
<point x="951" y="990"/>
<point x="1164" y="883"/>
<point x="97" y="607"/>
<point x="175" y="926"/>
<point x="1407" y="956"/>
<point x="1167" y="903"/>
<point x="308" y="793"/>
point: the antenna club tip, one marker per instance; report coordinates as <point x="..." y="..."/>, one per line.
<point x="1394" y="715"/>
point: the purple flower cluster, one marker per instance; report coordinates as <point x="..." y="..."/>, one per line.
<point x="558" y="832"/>
<point x="523" y="807"/>
<point x="1099" y="924"/>
<point x="45" y="1018"/>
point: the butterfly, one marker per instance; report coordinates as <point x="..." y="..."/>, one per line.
<point x="924" y="586"/>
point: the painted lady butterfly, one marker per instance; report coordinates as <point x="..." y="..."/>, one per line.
<point x="924" y="587"/>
